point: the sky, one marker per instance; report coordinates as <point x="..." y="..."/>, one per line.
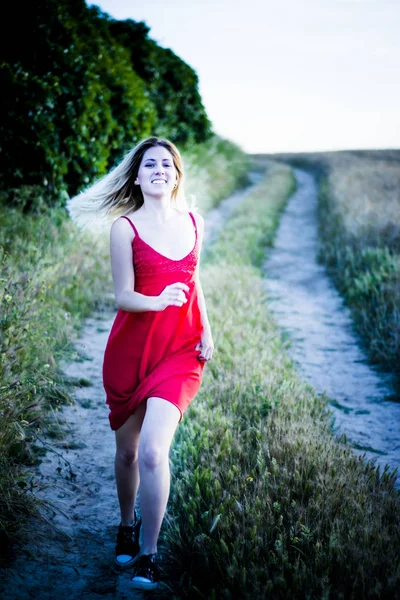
<point x="286" y="75"/>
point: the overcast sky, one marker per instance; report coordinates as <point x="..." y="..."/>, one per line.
<point x="286" y="75"/>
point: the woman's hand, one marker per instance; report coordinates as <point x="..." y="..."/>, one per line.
<point x="206" y="346"/>
<point x="172" y="295"/>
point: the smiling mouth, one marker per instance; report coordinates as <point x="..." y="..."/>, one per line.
<point x="158" y="181"/>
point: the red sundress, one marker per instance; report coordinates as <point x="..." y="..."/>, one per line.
<point x="153" y="353"/>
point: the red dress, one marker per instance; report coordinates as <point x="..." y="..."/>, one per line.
<point x="153" y="353"/>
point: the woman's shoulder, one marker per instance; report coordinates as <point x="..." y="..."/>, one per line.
<point x="182" y="213"/>
<point x="124" y="225"/>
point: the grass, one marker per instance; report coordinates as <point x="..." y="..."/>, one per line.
<point x="214" y="170"/>
<point x="359" y="218"/>
<point x="360" y="244"/>
<point x="265" y="502"/>
<point x="51" y="278"/>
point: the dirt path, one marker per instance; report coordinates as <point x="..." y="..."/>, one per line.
<point x="71" y="555"/>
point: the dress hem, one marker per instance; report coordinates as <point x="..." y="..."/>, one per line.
<point x="113" y="418"/>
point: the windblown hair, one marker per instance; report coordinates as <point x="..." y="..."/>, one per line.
<point x="115" y="193"/>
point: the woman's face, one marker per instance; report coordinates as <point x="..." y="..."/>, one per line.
<point x="157" y="175"/>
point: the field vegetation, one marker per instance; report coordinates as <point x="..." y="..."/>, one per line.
<point x="264" y="499"/>
<point x="359" y="242"/>
<point x="265" y="502"/>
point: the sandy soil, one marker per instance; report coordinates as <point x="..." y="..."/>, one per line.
<point x="70" y="553"/>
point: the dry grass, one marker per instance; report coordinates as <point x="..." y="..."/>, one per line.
<point x="367" y="197"/>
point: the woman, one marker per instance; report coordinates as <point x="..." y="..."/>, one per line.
<point x="159" y="341"/>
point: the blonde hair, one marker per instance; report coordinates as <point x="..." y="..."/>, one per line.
<point x="115" y="193"/>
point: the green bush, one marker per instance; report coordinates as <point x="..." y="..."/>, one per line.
<point x="76" y="104"/>
<point x="172" y="85"/>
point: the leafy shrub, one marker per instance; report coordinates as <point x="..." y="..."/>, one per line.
<point x="76" y="104"/>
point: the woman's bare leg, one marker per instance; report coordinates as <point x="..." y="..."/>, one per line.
<point x="158" y="429"/>
<point x="126" y="463"/>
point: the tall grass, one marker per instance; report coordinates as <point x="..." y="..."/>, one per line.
<point x="51" y="278"/>
<point x="265" y="503"/>
<point x="359" y="242"/>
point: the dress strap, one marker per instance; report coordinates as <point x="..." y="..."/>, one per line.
<point x="131" y="224"/>
<point x="194" y="221"/>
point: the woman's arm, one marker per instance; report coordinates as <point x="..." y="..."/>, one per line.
<point x="207" y="343"/>
<point x="121" y="237"/>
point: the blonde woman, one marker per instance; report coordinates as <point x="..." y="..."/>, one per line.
<point x="160" y="339"/>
